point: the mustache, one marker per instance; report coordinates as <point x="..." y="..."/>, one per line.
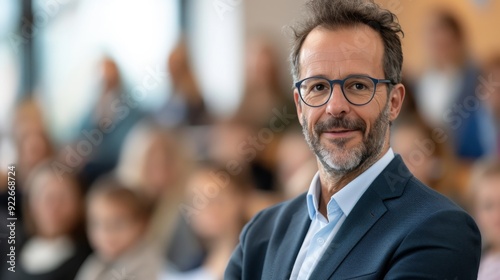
<point x="340" y="123"/>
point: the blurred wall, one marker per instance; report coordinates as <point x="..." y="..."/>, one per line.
<point x="479" y="18"/>
<point x="271" y="19"/>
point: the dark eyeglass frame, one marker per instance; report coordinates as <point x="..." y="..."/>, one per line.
<point x="341" y="83"/>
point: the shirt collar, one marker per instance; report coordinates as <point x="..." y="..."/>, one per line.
<point x="349" y="195"/>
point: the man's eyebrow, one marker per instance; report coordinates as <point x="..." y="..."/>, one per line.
<point x="343" y="77"/>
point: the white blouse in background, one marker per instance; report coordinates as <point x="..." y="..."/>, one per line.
<point x="41" y="255"/>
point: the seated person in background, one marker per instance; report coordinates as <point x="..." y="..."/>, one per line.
<point x="490" y="96"/>
<point x="185" y="105"/>
<point x="263" y="91"/>
<point x="155" y="162"/>
<point x="448" y="83"/>
<point x="296" y="164"/>
<point x="32" y="146"/>
<point x="57" y="246"/>
<point x="107" y="124"/>
<point x="485" y="197"/>
<point x="118" y="218"/>
<point x="217" y="215"/>
<point x="32" y="140"/>
<point x="427" y="155"/>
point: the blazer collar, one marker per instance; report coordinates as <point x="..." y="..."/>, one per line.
<point x="390" y="183"/>
<point x="369" y="209"/>
<point x="291" y="241"/>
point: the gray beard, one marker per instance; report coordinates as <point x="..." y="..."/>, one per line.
<point x="365" y="152"/>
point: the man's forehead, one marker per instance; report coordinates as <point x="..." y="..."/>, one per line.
<point x="309" y="56"/>
<point x="357" y="42"/>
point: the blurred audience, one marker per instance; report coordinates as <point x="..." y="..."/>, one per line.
<point x="185" y="105"/>
<point x="490" y="95"/>
<point x="105" y="127"/>
<point x="239" y="142"/>
<point x="32" y="147"/>
<point x="152" y="212"/>
<point x="485" y="198"/>
<point x="296" y="164"/>
<point x="156" y="163"/>
<point x="33" y="143"/>
<point x="445" y="90"/>
<point x="263" y="91"/>
<point x="117" y="221"/>
<point x="426" y="154"/>
<point x="217" y="218"/>
<point x="57" y="246"/>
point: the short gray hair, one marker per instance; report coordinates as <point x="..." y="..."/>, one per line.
<point x="333" y="14"/>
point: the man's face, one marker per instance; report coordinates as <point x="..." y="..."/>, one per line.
<point x="343" y="135"/>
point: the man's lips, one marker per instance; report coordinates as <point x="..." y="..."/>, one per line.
<point x="341" y="132"/>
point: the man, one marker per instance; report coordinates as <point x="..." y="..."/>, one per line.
<point x="365" y="216"/>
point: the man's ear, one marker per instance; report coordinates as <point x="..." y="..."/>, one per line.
<point x="396" y="98"/>
<point x="298" y="104"/>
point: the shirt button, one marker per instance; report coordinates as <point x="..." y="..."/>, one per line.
<point x="321" y="241"/>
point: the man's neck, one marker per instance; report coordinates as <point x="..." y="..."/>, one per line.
<point x="332" y="182"/>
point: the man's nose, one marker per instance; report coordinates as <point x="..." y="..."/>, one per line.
<point x="338" y="104"/>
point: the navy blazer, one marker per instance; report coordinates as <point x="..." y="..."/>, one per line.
<point x="399" y="229"/>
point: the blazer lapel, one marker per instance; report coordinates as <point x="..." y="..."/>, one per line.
<point x="290" y="244"/>
<point x="369" y="209"/>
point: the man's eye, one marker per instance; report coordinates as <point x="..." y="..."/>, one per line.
<point x="319" y="87"/>
<point x="359" y="86"/>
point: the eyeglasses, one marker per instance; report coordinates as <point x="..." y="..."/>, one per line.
<point x="357" y="89"/>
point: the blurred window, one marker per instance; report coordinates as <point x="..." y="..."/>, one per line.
<point x="73" y="35"/>
<point x="10" y="11"/>
<point x="9" y="62"/>
<point x="216" y="41"/>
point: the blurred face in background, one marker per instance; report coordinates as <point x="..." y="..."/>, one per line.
<point x="110" y="75"/>
<point x="227" y="142"/>
<point x="33" y="147"/>
<point x="32" y="141"/>
<point x="113" y="227"/>
<point x="492" y="92"/>
<point x="421" y="164"/>
<point x="222" y="215"/>
<point x="487" y="209"/>
<point x="296" y="164"/>
<point x="343" y="136"/>
<point x="160" y="169"/>
<point x="55" y="205"/>
<point x="261" y="68"/>
<point x="443" y="40"/>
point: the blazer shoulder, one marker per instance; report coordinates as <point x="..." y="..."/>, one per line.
<point x="426" y="196"/>
<point x="417" y="203"/>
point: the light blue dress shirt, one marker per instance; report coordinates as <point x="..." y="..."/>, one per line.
<point x="322" y="231"/>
